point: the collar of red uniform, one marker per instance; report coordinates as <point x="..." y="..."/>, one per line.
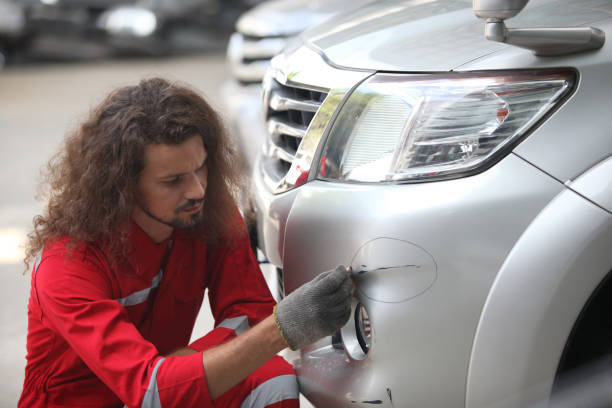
<point x="144" y="254"/>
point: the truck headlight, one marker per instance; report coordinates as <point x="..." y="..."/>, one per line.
<point x="408" y="128"/>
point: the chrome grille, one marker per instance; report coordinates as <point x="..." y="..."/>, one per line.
<point x="290" y="110"/>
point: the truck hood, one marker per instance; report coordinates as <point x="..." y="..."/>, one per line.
<point x="432" y="35"/>
<point x="284" y="18"/>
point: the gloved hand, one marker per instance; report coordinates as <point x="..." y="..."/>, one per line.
<point x="316" y="309"/>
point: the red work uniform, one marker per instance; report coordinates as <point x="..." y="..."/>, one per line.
<point x="97" y="335"/>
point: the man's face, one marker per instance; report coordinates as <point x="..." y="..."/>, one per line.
<point x="172" y="186"/>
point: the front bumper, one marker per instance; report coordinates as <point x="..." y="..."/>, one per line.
<point x="421" y="342"/>
<point x="272" y="212"/>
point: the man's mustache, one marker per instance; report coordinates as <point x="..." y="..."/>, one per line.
<point x="189" y="204"/>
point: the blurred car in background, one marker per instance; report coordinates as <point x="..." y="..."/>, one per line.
<point x="59" y="29"/>
<point x="12" y="27"/>
<point x="103" y="28"/>
<point x="261" y="33"/>
<point x="467" y="180"/>
<point x="158" y="27"/>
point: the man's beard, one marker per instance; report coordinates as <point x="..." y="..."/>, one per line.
<point x="180" y="223"/>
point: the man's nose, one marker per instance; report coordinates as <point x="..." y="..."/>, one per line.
<point x="196" y="188"/>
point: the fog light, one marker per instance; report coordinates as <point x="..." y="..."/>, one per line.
<point x="363" y="328"/>
<point x="357" y="334"/>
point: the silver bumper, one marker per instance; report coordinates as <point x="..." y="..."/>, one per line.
<point x="421" y="342"/>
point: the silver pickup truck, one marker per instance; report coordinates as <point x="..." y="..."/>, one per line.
<point x="458" y="156"/>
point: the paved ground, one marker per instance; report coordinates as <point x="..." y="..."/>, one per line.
<point x="38" y="103"/>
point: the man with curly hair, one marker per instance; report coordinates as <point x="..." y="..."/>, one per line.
<point x="141" y="218"/>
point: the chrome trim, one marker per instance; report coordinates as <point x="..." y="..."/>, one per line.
<point x="305" y="156"/>
<point x="301" y="93"/>
<point x="279" y="153"/>
<point x="280" y="102"/>
<point x="262" y="48"/>
<point x="250" y="58"/>
<point x="270" y="178"/>
<point x="305" y="68"/>
<point x="279" y="127"/>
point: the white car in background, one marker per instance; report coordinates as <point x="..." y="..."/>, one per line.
<point x="464" y="170"/>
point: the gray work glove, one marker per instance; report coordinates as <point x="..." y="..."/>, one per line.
<point x="316" y="309"/>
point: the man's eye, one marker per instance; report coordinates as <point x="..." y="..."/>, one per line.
<point x="172" y="181"/>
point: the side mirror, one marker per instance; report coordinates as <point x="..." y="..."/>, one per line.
<point x="542" y="41"/>
<point x="498" y="9"/>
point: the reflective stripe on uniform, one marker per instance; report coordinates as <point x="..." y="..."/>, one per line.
<point x="239" y="324"/>
<point x="37" y="262"/>
<point x="151" y="398"/>
<point x="142" y="295"/>
<point x="274" y="390"/>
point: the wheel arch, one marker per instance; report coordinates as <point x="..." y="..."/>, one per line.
<point x="535" y="301"/>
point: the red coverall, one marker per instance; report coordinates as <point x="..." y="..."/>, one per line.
<point x="97" y="335"/>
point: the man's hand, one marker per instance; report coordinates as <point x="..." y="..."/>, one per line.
<point x="316" y="309"/>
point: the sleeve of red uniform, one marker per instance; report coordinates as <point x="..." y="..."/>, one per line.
<point x="76" y="299"/>
<point x="236" y="287"/>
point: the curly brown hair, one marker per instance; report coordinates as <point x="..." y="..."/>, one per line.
<point x="90" y="184"/>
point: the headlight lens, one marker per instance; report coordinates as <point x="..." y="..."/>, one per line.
<point x="401" y="128"/>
